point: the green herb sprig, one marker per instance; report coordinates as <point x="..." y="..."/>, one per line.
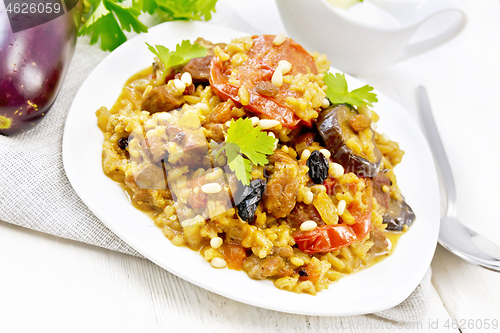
<point x="246" y="145"/>
<point x="105" y="20"/>
<point x="338" y="92"/>
<point x="182" y="54"/>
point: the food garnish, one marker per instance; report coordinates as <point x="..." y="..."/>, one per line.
<point x="102" y="23"/>
<point x="338" y="93"/>
<point x="101" y="17"/>
<point x="246" y="145"/>
<point x="182" y="54"/>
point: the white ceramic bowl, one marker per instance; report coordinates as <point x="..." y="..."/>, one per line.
<point x="370" y="35"/>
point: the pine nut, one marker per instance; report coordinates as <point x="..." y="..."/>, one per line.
<point x="203" y="107"/>
<point x="308" y="197"/>
<point x="268" y="123"/>
<point x="326" y="153"/>
<point x="341" y="207"/>
<point x="308" y="225"/>
<point x="364" y="110"/>
<point x="187" y="79"/>
<point x="216" y="242"/>
<point x="179" y="86"/>
<point x="285" y="66"/>
<point x="218" y="262"/>
<point x="255" y="121"/>
<point x="325" y="103"/>
<point x="336" y="170"/>
<point x="277" y="78"/>
<point x="211" y="188"/>
<point x="305" y="154"/>
<point x="279" y="39"/>
<point x="316" y="189"/>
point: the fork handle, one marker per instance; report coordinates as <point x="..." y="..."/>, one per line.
<point x="436" y="145"/>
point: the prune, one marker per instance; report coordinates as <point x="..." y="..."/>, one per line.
<point x="123" y="143"/>
<point x="318" y="167"/>
<point x="248" y="200"/>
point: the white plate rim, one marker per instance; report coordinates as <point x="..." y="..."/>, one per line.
<point x="258" y="293"/>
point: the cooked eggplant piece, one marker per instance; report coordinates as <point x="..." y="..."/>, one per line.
<point x="334" y="127"/>
<point x="379" y="182"/>
<point x="398" y="214"/>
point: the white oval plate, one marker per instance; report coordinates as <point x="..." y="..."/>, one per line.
<point x="377" y="288"/>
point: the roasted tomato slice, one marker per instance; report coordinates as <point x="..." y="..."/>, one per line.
<point x="328" y="238"/>
<point x="255" y="74"/>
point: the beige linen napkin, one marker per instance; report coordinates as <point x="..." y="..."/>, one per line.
<point x="35" y="192"/>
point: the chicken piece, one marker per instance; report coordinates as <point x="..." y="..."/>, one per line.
<point x="281" y="191"/>
<point x="302" y="213"/>
<point x="159" y="99"/>
<point x="199" y="68"/>
<point x="142" y="195"/>
<point x="380" y="242"/>
<point x="215" y="132"/>
<point x="260" y="269"/>
<point x="283" y="252"/>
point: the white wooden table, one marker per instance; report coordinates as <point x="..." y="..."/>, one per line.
<point x="49" y="284"/>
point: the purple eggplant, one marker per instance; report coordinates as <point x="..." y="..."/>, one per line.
<point x="33" y="63"/>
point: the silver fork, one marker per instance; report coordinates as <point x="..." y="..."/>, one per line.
<point x="453" y="235"/>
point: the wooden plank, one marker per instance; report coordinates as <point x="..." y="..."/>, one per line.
<point x="471" y="294"/>
<point x="65" y="286"/>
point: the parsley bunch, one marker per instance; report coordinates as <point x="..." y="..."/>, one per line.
<point x="338" y="92"/>
<point x="246" y="145"/>
<point x="107" y="19"/>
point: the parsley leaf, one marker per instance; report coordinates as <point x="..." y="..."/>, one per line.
<point x="102" y="23"/>
<point x="338" y="93"/>
<point x="246" y="145"/>
<point x="186" y="9"/>
<point x="182" y="54"/>
<point x="105" y="20"/>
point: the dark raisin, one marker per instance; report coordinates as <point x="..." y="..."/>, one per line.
<point x="123" y="143"/>
<point x="248" y="199"/>
<point x="318" y="167"/>
<point x="302" y="272"/>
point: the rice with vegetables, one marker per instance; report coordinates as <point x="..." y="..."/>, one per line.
<point x="250" y="153"/>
